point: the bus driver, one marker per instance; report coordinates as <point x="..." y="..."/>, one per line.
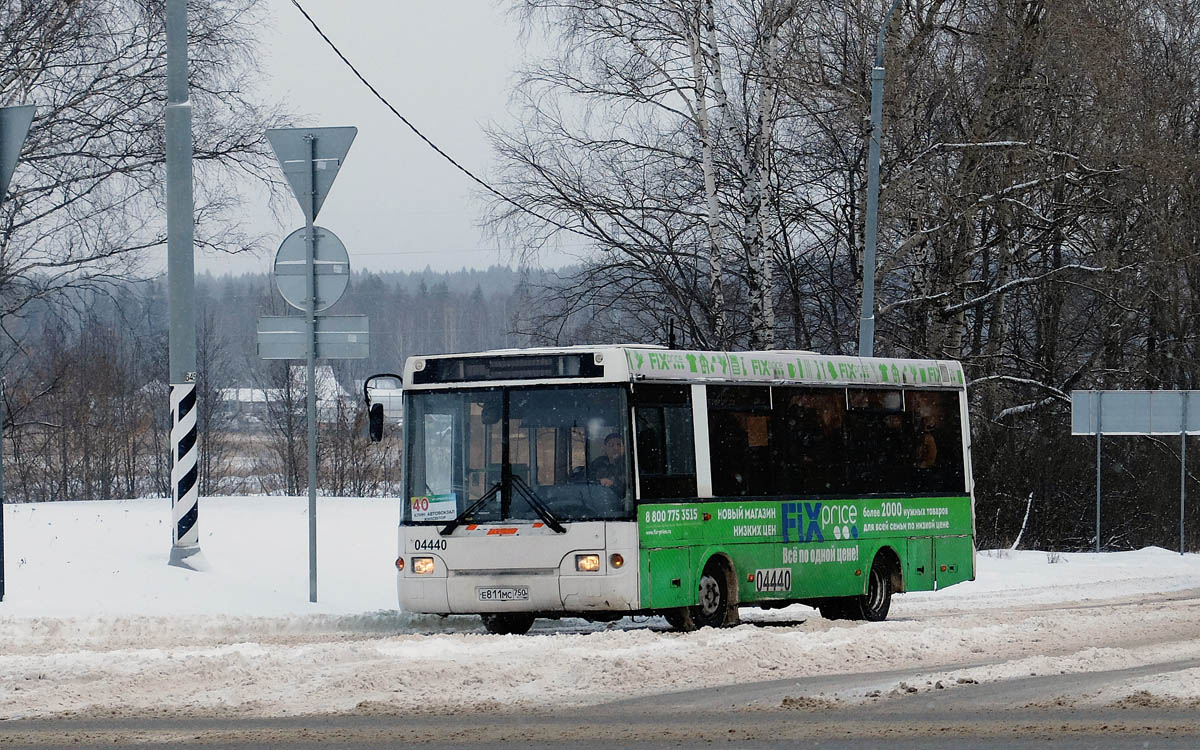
<point x="609" y="470"/>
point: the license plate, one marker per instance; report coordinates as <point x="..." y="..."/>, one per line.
<point x="507" y="594"/>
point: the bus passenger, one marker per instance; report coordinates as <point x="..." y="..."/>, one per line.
<point x="926" y="457"/>
<point x="926" y="447"/>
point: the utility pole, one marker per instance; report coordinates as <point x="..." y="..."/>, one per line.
<point x="185" y="530"/>
<point x="866" y="324"/>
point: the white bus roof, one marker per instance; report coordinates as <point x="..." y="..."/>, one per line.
<point x="637" y="363"/>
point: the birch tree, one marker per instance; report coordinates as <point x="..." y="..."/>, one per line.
<point x="631" y="139"/>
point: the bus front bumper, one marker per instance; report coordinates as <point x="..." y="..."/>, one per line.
<point x="480" y="592"/>
<point x="525" y="569"/>
<point x="528" y="590"/>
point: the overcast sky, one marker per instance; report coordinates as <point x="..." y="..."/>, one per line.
<point x="448" y="67"/>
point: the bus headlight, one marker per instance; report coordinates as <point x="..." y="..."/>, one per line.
<point x="587" y="563"/>
<point x="616" y="560"/>
<point x="422" y="566"/>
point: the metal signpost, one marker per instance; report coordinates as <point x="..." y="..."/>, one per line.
<point x="14" y="127"/>
<point x="312" y="270"/>
<point x="181" y="298"/>
<point x="1138" y="413"/>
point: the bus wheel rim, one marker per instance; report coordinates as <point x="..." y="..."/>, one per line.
<point x="710" y="595"/>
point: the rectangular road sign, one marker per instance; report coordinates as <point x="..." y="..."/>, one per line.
<point x="1135" y="412"/>
<point x="338" y="337"/>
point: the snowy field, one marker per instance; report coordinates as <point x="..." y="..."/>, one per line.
<point x="95" y="622"/>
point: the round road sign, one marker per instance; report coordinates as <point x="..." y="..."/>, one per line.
<point x="331" y="269"/>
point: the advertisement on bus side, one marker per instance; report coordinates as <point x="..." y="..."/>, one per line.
<point x="802" y="548"/>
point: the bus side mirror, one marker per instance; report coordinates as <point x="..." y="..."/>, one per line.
<point x="375" y="422"/>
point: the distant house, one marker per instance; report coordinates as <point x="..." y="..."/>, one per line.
<point x="249" y="406"/>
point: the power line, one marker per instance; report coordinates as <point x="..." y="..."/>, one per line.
<point x="423" y="137"/>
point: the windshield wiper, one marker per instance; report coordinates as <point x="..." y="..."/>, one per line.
<point x="536" y="503"/>
<point x="524" y="490"/>
<point x="449" y="528"/>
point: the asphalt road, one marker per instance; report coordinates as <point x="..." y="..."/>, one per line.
<point x="1024" y="713"/>
<point x="923" y="705"/>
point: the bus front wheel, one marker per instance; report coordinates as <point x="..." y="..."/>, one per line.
<point x="508" y="624"/>
<point x="713" y="608"/>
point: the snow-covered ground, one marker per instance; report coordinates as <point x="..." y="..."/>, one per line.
<point x="94" y="620"/>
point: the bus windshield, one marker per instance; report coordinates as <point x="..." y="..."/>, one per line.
<point x="562" y="448"/>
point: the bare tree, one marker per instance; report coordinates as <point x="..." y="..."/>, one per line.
<point x="213" y="420"/>
<point x="84" y="204"/>
<point x="640" y="138"/>
<point x="287" y="436"/>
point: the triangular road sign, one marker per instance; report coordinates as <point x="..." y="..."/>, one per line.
<point x="311" y="151"/>
<point x="14" y="127"/>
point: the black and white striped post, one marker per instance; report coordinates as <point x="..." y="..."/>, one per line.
<point x="185" y="533"/>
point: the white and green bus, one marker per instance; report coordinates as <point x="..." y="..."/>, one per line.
<point x="608" y="481"/>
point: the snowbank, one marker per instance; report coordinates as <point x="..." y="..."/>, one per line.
<point x="97" y="559"/>
<point x="95" y="620"/>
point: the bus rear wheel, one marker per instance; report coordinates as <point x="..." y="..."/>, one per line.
<point x="872" y="606"/>
<point x="515" y="623"/>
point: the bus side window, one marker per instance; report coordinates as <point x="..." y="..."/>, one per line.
<point x="879" y="441"/>
<point x="664" y="441"/>
<point x="739" y="436"/>
<point x="807" y="434"/>
<point x="937" y="441"/>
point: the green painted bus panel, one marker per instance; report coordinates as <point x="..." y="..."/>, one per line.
<point x="667" y="578"/>
<point x="918" y="566"/>
<point x="954" y="558"/>
<point x="763" y="575"/>
<point x="783" y="549"/>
